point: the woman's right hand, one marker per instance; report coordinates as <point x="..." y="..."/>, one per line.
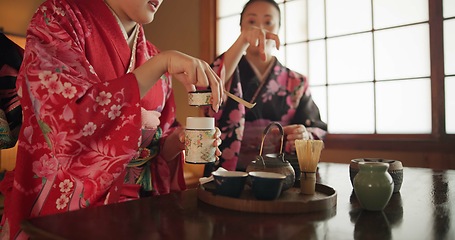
<point x="257" y="36"/>
<point x="292" y="133"/>
<point x="190" y="71"/>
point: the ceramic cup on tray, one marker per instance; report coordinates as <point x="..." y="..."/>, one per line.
<point x="229" y="183"/>
<point x="266" y="185"/>
<point x="199" y="139"/>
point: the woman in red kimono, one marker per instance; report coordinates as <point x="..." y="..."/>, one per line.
<point x="93" y="91"/>
<point x="281" y="95"/>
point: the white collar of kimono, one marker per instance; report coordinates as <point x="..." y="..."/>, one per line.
<point x="131" y="39"/>
<point x="262" y="76"/>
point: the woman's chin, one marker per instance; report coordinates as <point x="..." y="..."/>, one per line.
<point x="146" y="19"/>
<point x="253" y="51"/>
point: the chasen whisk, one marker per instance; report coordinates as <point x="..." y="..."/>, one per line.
<point x="308" y="154"/>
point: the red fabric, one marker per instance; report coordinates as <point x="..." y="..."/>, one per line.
<point x="82" y="113"/>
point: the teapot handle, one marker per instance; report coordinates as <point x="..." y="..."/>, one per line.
<point x="266" y="130"/>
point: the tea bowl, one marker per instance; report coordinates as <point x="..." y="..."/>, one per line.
<point x="395" y="170"/>
<point x="266" y="185"/>
<point x="229" y="183"/>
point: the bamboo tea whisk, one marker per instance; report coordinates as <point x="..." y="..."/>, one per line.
<point x="308" y="154"/>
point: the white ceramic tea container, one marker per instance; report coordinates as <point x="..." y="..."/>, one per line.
<point x="199" y="138"/>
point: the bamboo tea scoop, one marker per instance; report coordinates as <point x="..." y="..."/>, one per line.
<point x="240" y="100"/>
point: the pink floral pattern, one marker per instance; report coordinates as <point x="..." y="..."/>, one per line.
<point x="45" y="167"/>
<point x="284" y="98"/>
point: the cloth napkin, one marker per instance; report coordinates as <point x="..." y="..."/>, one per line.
<point x="204" y="180"/>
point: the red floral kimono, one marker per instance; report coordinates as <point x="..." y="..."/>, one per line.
<point x="82" y="121"/>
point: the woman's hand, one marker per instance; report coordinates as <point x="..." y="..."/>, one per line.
<point x="294" y="132"/>
<point x="174" y="144"/>
<point x="190" y="71"/>
<point x="251" y="36"/>
<point x="256" y="36"/>
<point x="216" y="142"/>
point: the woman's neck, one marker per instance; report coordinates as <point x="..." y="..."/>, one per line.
<point x="129" y="26"/>
<point x="127" y="23"/>
<point x="258" y="63"/>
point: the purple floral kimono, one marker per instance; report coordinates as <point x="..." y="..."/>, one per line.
<point x="281" y="96"/>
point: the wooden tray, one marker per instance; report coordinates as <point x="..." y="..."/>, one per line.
<point x="290" y="201"/>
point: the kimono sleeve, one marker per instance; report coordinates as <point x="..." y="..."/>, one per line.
<point x="307" y="112"/>
<point x="168" y="176"/>
<point x="76" y="109"/>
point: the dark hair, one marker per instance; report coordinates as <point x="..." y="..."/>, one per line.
<point x="267" y="1"/>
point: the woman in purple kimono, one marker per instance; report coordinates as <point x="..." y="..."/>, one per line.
<point x="281" y="95"/>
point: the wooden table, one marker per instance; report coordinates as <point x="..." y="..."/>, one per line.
<point x="423" y="209"/>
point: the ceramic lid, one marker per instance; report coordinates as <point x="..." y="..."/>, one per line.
<point x="200" y="123"/>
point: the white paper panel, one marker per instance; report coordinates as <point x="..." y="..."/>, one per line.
<point x="317" y="63"/>
<point x="316" y="20"/>
<point x="228" y="32"/>
<point x="449" y="46"/>
<point x="230" y="7"/>
<point x="296" y="57"/>
<point x="348" y="16"/>
<point x="319" y="95"/>
<point x="351" y="108"/>
<point x="448" y="8"/>
<point x="402" y="52"/>
<point x="280" y="55"/>
<point x="389" y="13"/>
<point x="450" y="104"/>
<point x="296" y="21"/>
<point x="404" y="106"/>
<point x="350" y="58"/>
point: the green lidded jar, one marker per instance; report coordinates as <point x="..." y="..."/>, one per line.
<point x="373" y="185"/>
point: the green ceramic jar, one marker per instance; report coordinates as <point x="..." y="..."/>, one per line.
<point x="373" y="185"/>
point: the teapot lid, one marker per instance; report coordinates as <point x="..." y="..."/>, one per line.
<point x="271" y="160"/>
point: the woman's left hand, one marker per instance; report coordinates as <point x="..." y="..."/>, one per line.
<point x="217" y="142"/>
<point x="294" y="132"/>
<point x="257" y="37"/>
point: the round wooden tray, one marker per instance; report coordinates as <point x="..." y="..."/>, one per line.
<point x="290" y="201"/>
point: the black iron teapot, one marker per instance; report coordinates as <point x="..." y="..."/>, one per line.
<point x="274" y="162"/>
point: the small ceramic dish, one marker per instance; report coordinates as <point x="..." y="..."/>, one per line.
<point x="200" y="98"/>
